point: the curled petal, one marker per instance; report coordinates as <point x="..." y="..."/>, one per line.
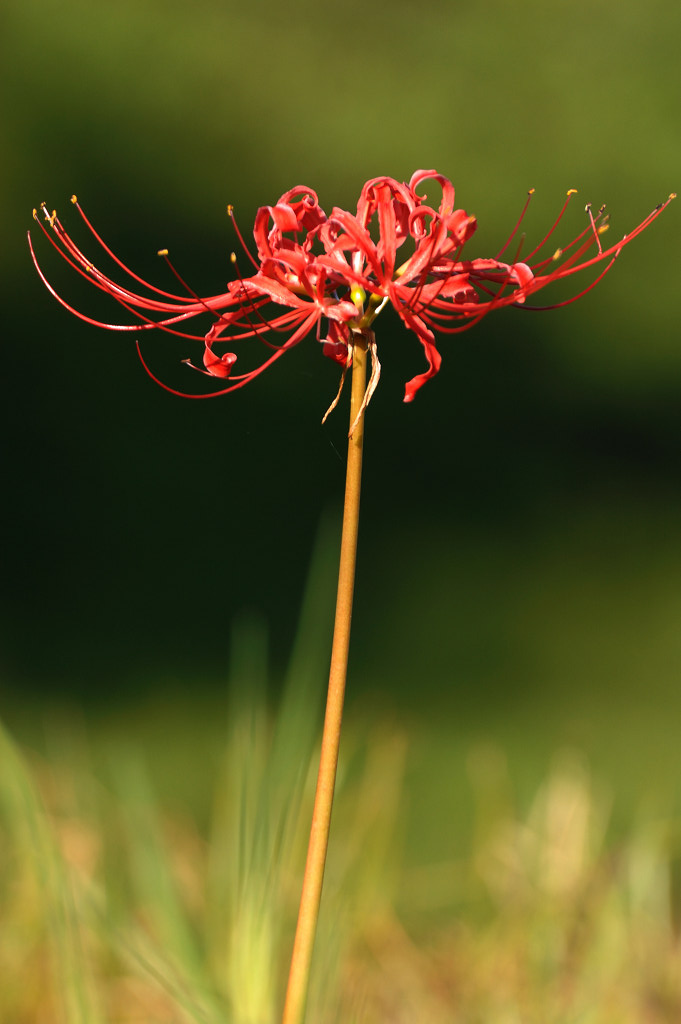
<point x="283" y="217"/>
<point x="461" y="226"/>
<point x="218" y="366"/>
<point x="433" y="357"/>
<point x="448" y="194"/>
<point x="434" y="360"/>
<point x="400" y="195"/>
<point x="523" y="277"/>
<point x="305" y="204"/>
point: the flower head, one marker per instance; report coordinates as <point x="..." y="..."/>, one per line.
<point x="330" y="276"/>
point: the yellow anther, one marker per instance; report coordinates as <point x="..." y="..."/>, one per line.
<point x="232" y="257"/>
<point x="230" y="210"/>
<point x="557" y="254"/>
<point x="49" y="218"/>
<point x="530" y="192"/>
<point x="74" y="199"/>
<point x="672" y="195"/>
<point x="162" y="252"/>
<point x="572" y="191"/>
<point x="602" y="228"/>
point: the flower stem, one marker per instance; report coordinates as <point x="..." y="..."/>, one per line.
<point x="308" y="913"/>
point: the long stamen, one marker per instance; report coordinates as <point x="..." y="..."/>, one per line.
<point x="592" y="221"/>
<point x="147" y="322"/>
<point x="230" y="214"/>
<point x="267" y="325"/>
<point x="570" y="193"/>
<point x="220" y="318"/>
<point x="517" y="225"/>
<point x="573" y="298"/>
<point x="112" y="255"/>
<point x="83" y="266"/>
<point x="583" y="241"/>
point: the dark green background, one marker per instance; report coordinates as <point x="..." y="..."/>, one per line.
<point x="521" y="530"/>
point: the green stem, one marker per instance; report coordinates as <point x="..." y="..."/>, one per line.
<point x="308" y="913"/>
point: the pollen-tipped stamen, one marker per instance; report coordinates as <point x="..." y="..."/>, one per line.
<point x="254" y="307"/>
<point x="232" y="217"/>
<point x="570" y="193"/>
<point x="517" y="225"/>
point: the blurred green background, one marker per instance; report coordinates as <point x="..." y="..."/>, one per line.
<point x="520" y="557"/>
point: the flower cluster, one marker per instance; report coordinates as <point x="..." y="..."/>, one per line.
<point x="333" y="274"/>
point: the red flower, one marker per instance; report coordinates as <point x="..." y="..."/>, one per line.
<point x="334" y="274"/>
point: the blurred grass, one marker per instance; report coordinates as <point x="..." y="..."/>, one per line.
<point x="160" y="914"/>
<point x="152" y="873"/>
<point x="120" y="907"/>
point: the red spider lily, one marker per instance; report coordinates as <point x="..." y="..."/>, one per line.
<point x="333" y="275"/>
